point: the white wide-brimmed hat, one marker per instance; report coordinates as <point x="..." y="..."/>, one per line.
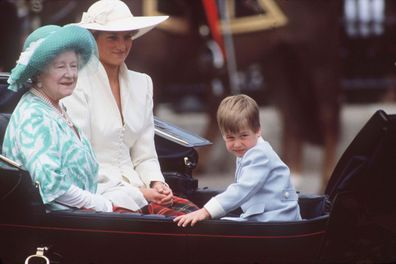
<point x="114" y="15"/>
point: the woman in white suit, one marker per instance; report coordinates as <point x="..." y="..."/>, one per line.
<point x="114" y="107"/>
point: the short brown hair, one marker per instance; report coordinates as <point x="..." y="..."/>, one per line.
<point x="237" y="112"/>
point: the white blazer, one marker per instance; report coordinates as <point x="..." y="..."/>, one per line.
<point x="262" y="188"/>
<point x="125" y="150"/>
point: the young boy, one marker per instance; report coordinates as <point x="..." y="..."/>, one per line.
<point x="262" y="187"/>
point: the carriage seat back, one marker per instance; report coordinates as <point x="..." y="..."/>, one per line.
<point x="19" y="196"/>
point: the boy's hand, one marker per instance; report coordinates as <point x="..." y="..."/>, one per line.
<point x="193" y="218"/>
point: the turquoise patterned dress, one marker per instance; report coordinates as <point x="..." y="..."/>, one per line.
<point x="40" y="139"/>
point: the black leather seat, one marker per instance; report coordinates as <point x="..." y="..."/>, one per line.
<point x="8" y="98"/>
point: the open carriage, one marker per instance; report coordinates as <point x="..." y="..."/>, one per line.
<point x="354" y="221"/>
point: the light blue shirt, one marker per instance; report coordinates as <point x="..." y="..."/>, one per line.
<point x="40" y="139"/>
<point x="262" y="188"/>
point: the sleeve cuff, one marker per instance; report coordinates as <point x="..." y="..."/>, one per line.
<point x="151" y="176"/>
<point x="214" y="208"/>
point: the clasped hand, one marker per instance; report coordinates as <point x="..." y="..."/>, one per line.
<point x="159" y="193"/>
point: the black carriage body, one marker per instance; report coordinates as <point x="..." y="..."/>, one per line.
<point x="76" y="236"/>
<point x="354" y="221"/>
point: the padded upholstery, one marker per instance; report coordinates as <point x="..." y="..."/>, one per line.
<point x="4" y="119"/>
<point x="313" y="206"/>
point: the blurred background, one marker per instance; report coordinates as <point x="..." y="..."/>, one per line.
<point x="318" y="69"/>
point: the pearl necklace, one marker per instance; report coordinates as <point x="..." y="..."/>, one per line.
<point x="61" y="112"/>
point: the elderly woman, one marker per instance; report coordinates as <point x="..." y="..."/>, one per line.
<point x="113" y="106"/>
<point x="40" y="135"/>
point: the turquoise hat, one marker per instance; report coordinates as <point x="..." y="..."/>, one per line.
<point x="44" y="44"/>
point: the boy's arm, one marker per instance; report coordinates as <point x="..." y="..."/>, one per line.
<point x="254" y="171"/>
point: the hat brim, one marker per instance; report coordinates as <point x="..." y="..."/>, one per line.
<point x="69" y="37"/>
<point x="142" y="24"/>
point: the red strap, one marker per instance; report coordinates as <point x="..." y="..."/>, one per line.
<point x="210" y="7"/>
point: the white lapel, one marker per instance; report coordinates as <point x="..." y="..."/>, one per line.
<point x="104" y="91"/>
<point x="133" y="98"/>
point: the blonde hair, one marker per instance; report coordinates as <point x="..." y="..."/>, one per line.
<point x="237" y="112"/>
